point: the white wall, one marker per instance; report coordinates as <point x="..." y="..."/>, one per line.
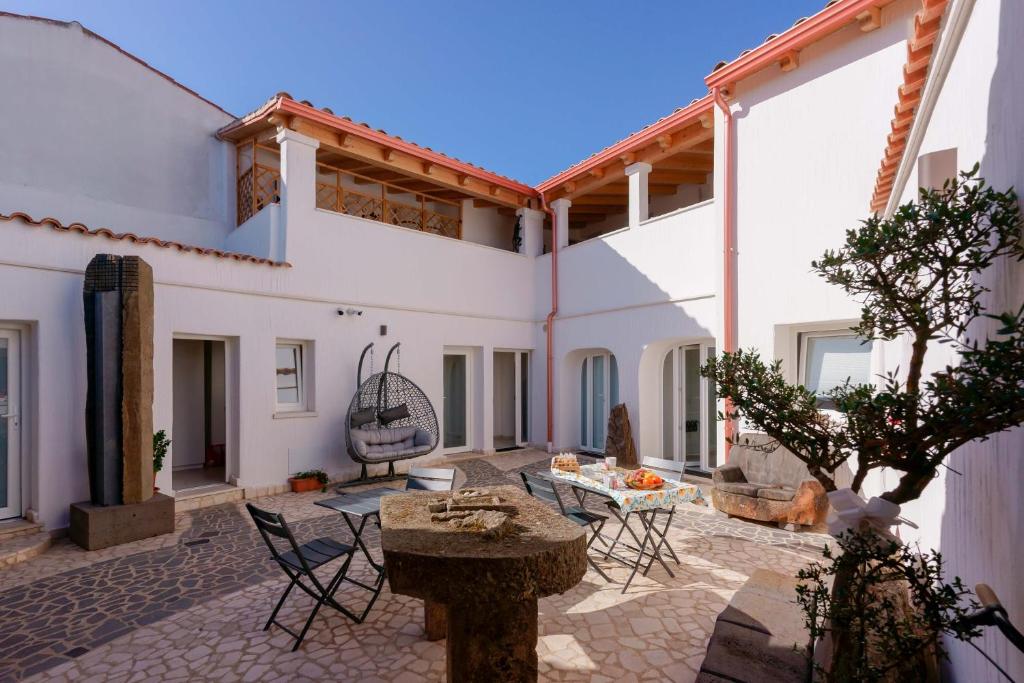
<point x="625" y="292"/>
<point x="107" y="142"/>
<point x="809" y="145"/>
<point x="976" y="517"/>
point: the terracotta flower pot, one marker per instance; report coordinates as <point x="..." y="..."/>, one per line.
<point x="304" y="485"/>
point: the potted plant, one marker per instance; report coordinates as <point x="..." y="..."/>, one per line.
<point x="310" y="480"/>
<point x="160" y="445"/>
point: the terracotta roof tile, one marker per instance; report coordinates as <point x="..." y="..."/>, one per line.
<point x="927" y="22"/>
<point x="82" y="229"/>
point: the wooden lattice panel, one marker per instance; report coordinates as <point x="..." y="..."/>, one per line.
<point x="267" y="182"/>
<point x="404" y="215"/>
<point x="363" y="206"/>
<point x="328" y="197"/>
<point x="244" y="198"/>
<point x="439" y="224"/>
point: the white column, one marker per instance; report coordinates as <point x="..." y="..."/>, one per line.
<point x="298" y="181"/>
<point x="486" y="401"/>
<point x="638" y="209"/>
<point x="531" y="229"/>
<point x="561" y="209"/>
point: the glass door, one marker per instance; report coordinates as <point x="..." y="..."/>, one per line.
<point x="689" y="430"/>
<point x="455" y="424"/>
<point x="598" y="393"/>
<point x="10" y="421"/>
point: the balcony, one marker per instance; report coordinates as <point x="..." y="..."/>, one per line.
<point x="335" y="191"/>
<point x="259" y="179"/>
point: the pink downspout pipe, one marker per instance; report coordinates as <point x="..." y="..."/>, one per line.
<point x="551" y="323"/>
<point x="729" y="250"/>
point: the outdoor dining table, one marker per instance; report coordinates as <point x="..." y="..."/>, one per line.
<point x="623" y="503"/>
<point x="363" y="506"/>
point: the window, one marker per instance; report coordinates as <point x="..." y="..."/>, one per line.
<point x="829" y="359"/>
<point x="292" y="359"/>
<point x="935" y="168"/>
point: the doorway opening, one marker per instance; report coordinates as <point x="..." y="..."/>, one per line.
<point x="456" y="405"/>
<point x="599" y="391"/>
<point x="10" y="424"/>
<point x="199" y="429"/>
<point x="511" y="400"/>
<point x="688" y="408"/>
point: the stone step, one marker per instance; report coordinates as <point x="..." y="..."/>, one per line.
<point x="16" y="549"/>
<point x="18" y="527"/>
<point x="207" y="496"/>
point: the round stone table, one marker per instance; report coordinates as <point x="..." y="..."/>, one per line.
<point x="487" y="588"/>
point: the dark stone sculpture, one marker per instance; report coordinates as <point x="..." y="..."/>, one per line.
<point x="619" y="443"/>
<point x="118" y="299"/>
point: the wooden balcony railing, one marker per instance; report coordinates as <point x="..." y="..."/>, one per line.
<point x="334" y="196"/>
<point x="259" y="185"/>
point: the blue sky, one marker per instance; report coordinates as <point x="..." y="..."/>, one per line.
<point x="524" y="88"/>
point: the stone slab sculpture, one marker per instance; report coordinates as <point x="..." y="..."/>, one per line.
<point x="118" y="304"/>
<point x="619" y="443"/>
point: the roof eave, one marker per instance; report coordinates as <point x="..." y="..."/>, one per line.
<point x="816" y="27"/>
<point x="685" y="116"/>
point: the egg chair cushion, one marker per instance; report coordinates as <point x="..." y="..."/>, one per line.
<point x="381" y="445"/>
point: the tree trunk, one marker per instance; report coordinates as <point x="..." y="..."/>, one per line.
<point x="847" y="647"/>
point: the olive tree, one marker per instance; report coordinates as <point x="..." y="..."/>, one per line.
<point x="917" y="275"/>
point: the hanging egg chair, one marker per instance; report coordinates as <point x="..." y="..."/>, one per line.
<point x="388" y="419"/>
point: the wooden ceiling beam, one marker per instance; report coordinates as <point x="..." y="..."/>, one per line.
<point x="684" y="140"/>
<point x="371" y="153"/>
<point x="686" y="162"/>
<point x="677" y="177"/>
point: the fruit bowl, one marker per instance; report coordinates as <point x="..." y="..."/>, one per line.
<point x="644" y="480"/>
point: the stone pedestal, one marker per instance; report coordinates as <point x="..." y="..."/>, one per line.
<point x="435" y="620"/>
<point x="488" y="586"/>
<point x="495" y="641"/>
<point x="100" y="526"/>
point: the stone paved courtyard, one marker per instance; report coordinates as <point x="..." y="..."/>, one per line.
<point x="191" y="605"/>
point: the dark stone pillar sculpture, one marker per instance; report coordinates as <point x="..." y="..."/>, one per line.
<point x="619" y="443"/>
<point x="118" y="298"/>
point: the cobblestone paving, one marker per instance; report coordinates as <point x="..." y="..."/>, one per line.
<point x="192" y="606"/>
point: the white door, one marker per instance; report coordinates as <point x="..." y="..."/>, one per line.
<point x="599" y="391"/>
<point x="10" y="425"/>
<point x="689" y="408"/>
<point x="455" y="420"/>
<point x="522" y="398"/>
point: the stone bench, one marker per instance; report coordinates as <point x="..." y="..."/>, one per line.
<point x="760" y="635"/>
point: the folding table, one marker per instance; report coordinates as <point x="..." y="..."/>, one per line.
<point x="646" y="504"/>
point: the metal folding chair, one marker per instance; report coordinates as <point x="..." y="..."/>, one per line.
<point x="430" y="479"/>
<point x="545" y="490"/>
<point x="300" y="562"/>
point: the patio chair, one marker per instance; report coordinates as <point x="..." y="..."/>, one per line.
<point x="545" y="490"/>
<point x="300" y="562"/>
<point x="430" y="479"/>
<point x="669" y="470"/>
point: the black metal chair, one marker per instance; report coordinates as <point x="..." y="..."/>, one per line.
<point x="669" y="470"/>
<point x="545" y="490"/>
<point x="301" y="561"/>
<point x="430" y="479"/>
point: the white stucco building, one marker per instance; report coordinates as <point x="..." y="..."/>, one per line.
<point x="284" y="241"/>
